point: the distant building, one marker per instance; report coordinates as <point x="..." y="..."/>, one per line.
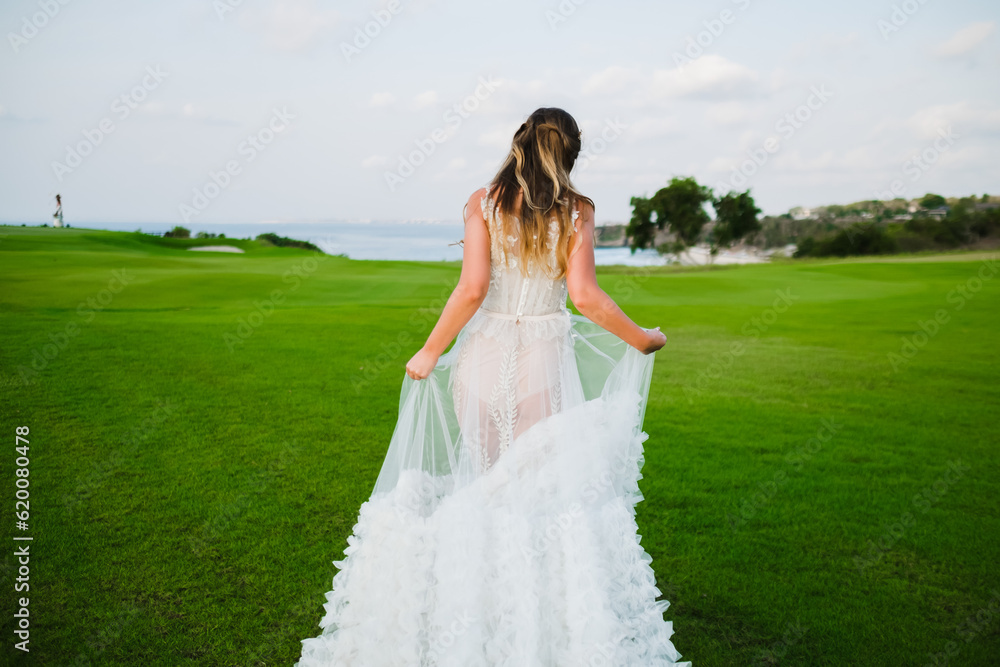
<point x="939" y="212"/>
<point x="800" y="213"/>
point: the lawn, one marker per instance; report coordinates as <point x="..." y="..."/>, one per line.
<point x="821" y="483"/>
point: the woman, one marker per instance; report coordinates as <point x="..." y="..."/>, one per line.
<point x="501" y="528"/>
<point x="57" y="217"/>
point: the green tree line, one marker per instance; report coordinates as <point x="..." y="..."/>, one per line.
<point x="680" y="208"/>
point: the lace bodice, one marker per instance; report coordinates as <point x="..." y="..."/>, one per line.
<point x="512" y="293"/>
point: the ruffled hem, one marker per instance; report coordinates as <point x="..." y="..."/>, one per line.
<point x="536" y="563"/>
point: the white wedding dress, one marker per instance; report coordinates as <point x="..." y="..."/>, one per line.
<point x="501" y="530"/>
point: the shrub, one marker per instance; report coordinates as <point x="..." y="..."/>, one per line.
<point x="805" y="248"/>
<point x="285" y="242"/>
<point x="178" y="232"/>
<point x="986" y="223"/>
<point x="857" y="239"/>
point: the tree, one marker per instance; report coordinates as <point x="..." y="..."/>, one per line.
<point x="736" y="216"/>
<point x="930" y="201"/>
<point x="178" y="232"/>
<point x="640" y="227"/>
<point x="679" y="206"/>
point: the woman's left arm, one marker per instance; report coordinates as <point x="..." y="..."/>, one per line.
<point x="467" y="296"/>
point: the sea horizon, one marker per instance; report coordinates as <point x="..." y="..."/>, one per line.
<point x="399" y="240"/>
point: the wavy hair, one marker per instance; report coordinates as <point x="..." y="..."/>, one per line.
<point x="542" y="155"/>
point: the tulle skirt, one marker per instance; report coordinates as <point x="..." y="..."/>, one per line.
<point x="501" y="531"/>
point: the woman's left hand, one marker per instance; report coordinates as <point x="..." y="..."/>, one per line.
<point x="421" y="365"/>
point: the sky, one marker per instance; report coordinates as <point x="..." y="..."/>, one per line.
<point x="202" y="112"/>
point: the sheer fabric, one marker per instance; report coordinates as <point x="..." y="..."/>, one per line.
<point x="501" y="529"/>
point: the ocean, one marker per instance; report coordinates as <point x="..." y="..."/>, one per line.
<point x="415" y="241"/>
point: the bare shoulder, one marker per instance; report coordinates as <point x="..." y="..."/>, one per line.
<point x="585" y="210"/>
<point x="473" y="207"/>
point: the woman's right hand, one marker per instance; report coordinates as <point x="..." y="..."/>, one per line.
<point x="655" y="339"/>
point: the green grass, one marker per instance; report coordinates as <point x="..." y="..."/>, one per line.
<point x="192" y="478"/>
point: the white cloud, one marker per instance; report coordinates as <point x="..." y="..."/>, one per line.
<point x="722" y="164"/>
<point x="829" y="44"/>
<point x="855" y="160"/>
<point x="962" y="116"/>
<point x="426" y="99"/>
<point x="965" y="39"/>
<point x="187" y="112"/>
<point x="864" y="158"/>
<point x="728" y="113"/>
<point x="374" y="162"/>
<point x="649" y="128"/>
<point x="969" y="157"/>
<point x="611" y="80"/>
<point x="499" y="136"/>
<point x="289" y="25"/>
<point x="380" y="100"/>
<point x="792" y="160"/>
<point x="709" y="77"/>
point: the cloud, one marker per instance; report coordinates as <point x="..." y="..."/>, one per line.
<point x="793" y="160"/>
<point x="374" y="162"/>
<point x="965" y="40"/>
<point x="709" y="77"/>
<point x="722" y="164"/>
<point x="965" y="118"/>
<point x="727" y="113"/>
<point x="611" y="80"/>
<point x="828" y="44"/>
<point x="187" y="112"/>
<point x="499" y="136"/>
<point x="381" y="100"/>
<point x="289" y="25"/>
<point x="426" y="99"/>
<point x="652" y="127"/>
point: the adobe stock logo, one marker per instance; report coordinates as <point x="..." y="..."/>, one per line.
<point x="31" y="27"/>
<point x="248" y="149"/>
<point x="787" y="126"/>
<point x="122" y="107"/>
<point x="363" y="35"/>
<point x="453" y="118"/>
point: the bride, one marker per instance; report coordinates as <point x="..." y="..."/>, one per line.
<point x="501" y="529"/>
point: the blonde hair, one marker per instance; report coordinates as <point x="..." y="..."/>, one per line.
<point x="542" y="155"/>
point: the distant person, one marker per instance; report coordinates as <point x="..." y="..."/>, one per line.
<point x="57" y="217"/>
<point x="501" y="528"/>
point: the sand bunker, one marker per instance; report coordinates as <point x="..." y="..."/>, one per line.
<point x="217" y="248"/>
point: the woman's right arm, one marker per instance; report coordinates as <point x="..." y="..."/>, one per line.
<point x="592" y="301"/>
